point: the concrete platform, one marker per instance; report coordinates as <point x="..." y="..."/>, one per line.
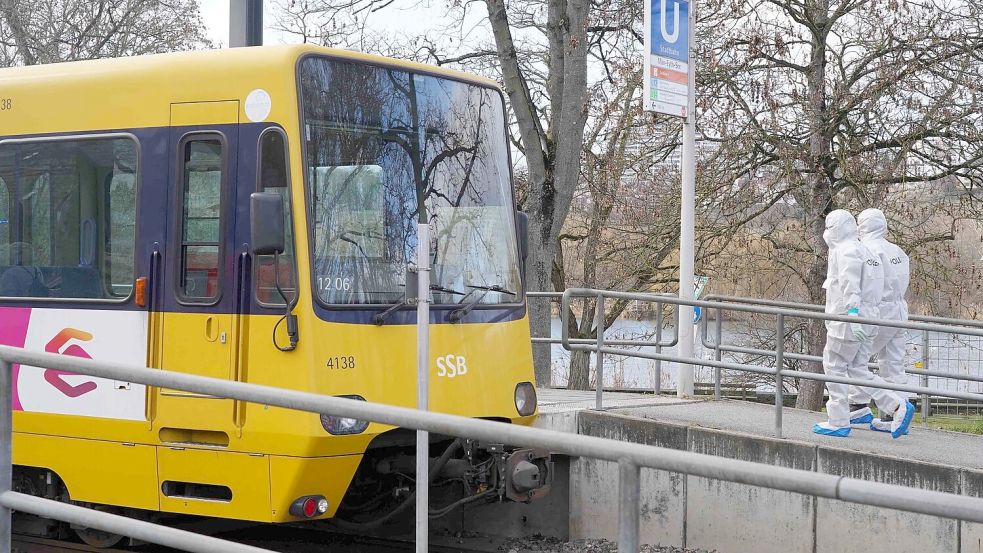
<point x="733" y="518"/>
<point x="561" y="400"/>
<point x="558" y="407"/>
<point x="927" y="445"/>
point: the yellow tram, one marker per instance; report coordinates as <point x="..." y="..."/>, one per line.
<point x="125" y="230"/>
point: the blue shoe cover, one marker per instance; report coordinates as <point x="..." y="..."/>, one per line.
<point x="909" y="414"/>
<point x="837" y="432"/>
<point x="884" y="426"/>
<point x="865" y="419"/>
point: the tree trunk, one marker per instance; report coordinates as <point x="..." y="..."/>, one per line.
<point x="579" y="370"/>
<point x="820" y="169"/>
<point x="540" y="324"/>
<point x="15" y="25"/>
<point x="539" y="277"/>
<point x="552" y="155"/>
<point x="579" y="375"/>
<point x="811" y="391"/>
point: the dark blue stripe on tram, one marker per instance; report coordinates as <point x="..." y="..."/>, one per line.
<point x="157" y="194"/>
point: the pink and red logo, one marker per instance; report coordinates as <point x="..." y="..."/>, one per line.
<point x="57" y="345"/>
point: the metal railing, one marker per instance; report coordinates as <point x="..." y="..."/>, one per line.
<point x="599" y="346"/>
<point x="658" y="343"/>
<point x="631" y="457"/>
<point x="925" y="372"/>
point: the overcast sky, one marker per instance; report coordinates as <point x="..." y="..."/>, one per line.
<point x="215" y="14"/>
<point x="410" y="20"/>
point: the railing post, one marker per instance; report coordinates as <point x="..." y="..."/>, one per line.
<point x="599" y="371"/>
<point x="779" y="359"/>
<point x="6" y="444"/>
<point x="716" y="353"/>
<point x="658" y="347"/>
<point x="628" y="488"/>
<point x="925" y="358"/>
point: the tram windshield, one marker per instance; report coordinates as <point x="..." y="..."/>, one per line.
<point x="379" y="143"/>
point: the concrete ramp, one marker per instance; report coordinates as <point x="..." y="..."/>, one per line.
<point x="734" y="518"/>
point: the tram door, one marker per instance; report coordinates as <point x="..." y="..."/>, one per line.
<point x="198" y="328"/>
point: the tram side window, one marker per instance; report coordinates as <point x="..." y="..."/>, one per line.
<point x="201" y="226"/>
<point x="274" y="177"/>
<point x="59" y="211"/>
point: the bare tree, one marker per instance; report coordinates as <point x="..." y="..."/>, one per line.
<point x="47" y="31"/>
<point x="848" y="103"/>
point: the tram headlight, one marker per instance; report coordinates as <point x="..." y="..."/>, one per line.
<point x="343" y="426"/>
<point x="525" y="398"/>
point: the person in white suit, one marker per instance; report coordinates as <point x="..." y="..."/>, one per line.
<point x="889" y="344"/>
<point x="854" y="286"/>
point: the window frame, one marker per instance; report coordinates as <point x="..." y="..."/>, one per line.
<point x="293" y="234"/>
<point x="177" y="245"/>
<point x="138" y="187"/>
<point x="520" y="300"/>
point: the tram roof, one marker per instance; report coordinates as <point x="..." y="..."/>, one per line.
<point x="133" y="92"/>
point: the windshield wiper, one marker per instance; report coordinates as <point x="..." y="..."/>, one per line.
<point x="409" y="296"/>
<point x="493" y="288"/>
<point x="380" y="318"/>
<point x="461" y="312"/>
<point x="446" y="290"/>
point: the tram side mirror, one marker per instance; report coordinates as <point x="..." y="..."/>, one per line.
<point x="266" y="234"/>
<point x="522" y="232"/>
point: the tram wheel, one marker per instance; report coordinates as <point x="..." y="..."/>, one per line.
<point x="99" y="538"/>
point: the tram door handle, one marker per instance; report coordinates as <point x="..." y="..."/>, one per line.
<point x="212" y="332"/>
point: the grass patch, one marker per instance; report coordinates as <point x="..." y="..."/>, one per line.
<point x="969" y="425"/>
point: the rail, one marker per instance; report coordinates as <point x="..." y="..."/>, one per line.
<point x="631" y="457"/>
<point x="658" y="343"/>
<point x="599" y="346"/>
<point x="718" y="347"/>
<point x="925" y="372"/>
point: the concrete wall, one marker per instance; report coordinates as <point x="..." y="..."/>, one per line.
<point x="733" y="518"/>
<point x="848" y="527"/>
<point x="720" y="512"/>
<point x="594" y="484"/>
<point x="971" y="534"/>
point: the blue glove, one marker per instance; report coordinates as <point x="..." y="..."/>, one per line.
<point x="856" y="328"/>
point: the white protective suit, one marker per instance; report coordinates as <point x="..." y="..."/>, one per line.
<point x="854" y="280"/>
<point x="889" y="344"/>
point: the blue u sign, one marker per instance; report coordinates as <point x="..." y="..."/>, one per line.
<point x="670" y="29"/>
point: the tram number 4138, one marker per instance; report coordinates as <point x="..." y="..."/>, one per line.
<point x="6" y="104"/>
<point x="343" y="362"/>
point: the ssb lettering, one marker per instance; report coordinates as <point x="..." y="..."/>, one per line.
<point x="452" y="365"/>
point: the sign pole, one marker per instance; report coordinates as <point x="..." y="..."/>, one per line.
<point x="687" y="221"/>
<point x="245" y="23"/>
<point x="423" y="386"/>
<point x="669" y="88"/>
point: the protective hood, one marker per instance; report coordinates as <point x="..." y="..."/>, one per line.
<point x="872" y="224"/>
<point x="840" y="227"/>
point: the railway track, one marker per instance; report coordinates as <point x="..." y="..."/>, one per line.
<point x="285" y="539"/>
<point x="31" y="544"/>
